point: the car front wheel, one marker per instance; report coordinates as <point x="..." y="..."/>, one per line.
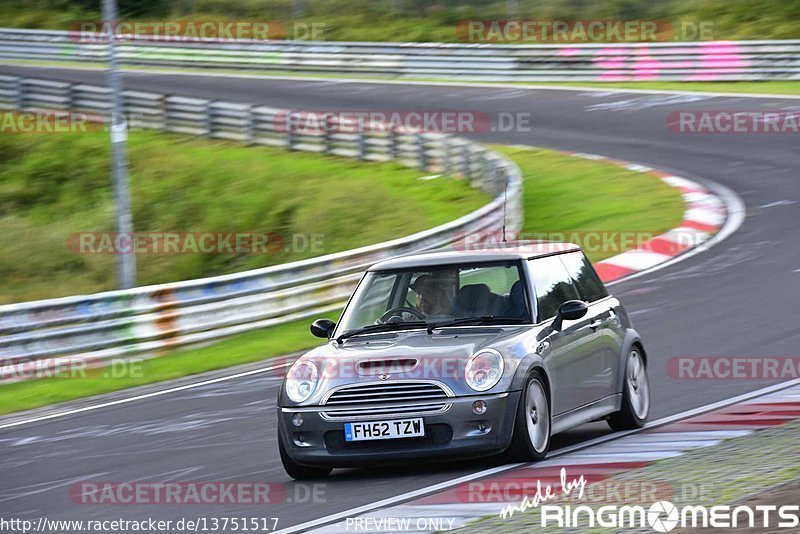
<point x="531" y="439"/>
<point x="635" y="395"/>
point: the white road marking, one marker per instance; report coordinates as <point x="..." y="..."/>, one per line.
<point x="140" y="397"/>
<point x="561" y="452"/>
<point x="638" y="168"/>
<point x="779" y="203"/>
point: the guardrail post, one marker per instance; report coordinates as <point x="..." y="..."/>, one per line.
<point x="494" y="177"/>
<point x="250" y="127"/>
<point x="71" y="98"/>
<point x="421" y="154"/>
<point x="465" y="163"/>
<point x="20" y="90"/>
<point x="166" y="113"/>
<point x="208" y="120"/>
<point x="162" y="111"/>
<point x="327" y="125"/>
<point x="362" y="146"/>
<point x="289" y="130"/>
<point x="445" y="156"/>
<point x="394" y="149"/>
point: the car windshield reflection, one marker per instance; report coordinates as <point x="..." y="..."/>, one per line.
<point x="436" y="297"/>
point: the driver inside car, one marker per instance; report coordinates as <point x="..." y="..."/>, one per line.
<point x="432" y="297"/>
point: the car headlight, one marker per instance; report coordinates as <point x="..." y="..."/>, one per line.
<point x="301" y="381"/>
<point x="484" y="369"/>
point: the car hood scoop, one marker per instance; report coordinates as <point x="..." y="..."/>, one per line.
<point x="380" y="366"/>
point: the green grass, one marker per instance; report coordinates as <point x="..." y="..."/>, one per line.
<point x="424" y="20"/>
<point x="569" y="195"/>
<point x="53" y="186"/>
<point x="562" y="193"/>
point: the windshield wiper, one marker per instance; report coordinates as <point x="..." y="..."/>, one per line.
<point x="381" y="327"/>
<point x="485" y="319"/>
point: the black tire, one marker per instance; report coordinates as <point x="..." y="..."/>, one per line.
<point x="522" y="449"/>
<point x="629" y="417"/>
<point x="300" y="472"/>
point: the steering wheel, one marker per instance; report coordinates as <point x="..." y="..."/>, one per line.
<point x="400" y="309"/>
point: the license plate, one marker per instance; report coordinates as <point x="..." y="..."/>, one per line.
<point x="401" y="428"/>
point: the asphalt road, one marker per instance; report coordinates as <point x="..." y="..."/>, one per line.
<point x="738" y="299"/>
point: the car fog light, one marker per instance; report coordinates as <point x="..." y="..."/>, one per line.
<point x="479" y="407"/>
<point x="301" y="438"/>
<point x="482" y="427"/>
<point x="297" y="419"/>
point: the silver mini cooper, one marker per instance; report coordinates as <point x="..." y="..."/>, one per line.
<point x="463" y="354"/>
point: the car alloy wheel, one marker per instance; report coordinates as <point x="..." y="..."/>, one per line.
<point x="537" y="416"/>
<point x="637" y="384"/>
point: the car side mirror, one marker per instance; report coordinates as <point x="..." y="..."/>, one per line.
<point x="571" y="310"/>
<point x="323" y="328"/>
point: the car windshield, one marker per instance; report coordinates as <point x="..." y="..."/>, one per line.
<point x="427" y="297"/>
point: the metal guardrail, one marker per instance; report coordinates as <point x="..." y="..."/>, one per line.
<point x="680" y="61"/>
<point x="143" y="321"/>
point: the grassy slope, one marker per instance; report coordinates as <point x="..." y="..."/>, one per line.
<point x="188" y="184"/>
<point x="562" y="193"/>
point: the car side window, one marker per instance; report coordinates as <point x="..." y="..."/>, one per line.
<point x="552" y="284"/>
<point x="589" y="285"/>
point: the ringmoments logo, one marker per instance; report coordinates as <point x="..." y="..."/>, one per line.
<point x="664" y="516"/>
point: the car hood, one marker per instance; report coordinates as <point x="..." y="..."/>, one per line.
<point x="414" y="355"/>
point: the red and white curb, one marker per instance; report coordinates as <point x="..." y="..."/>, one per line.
<point x="460" y="504"/>
<point x="704" y="216"/>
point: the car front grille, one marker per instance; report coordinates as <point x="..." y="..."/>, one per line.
<point x="387" y="399"/>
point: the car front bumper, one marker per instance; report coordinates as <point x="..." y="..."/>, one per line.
<point x="456" y="433"/>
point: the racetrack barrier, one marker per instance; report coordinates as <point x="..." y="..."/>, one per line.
<point x="676" y="61"/>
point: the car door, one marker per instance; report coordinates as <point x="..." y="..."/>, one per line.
<point x="602" y="319"/>
<point x="569" y="353"/>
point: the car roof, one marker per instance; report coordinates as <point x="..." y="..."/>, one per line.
<point x="511" y="251"/>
